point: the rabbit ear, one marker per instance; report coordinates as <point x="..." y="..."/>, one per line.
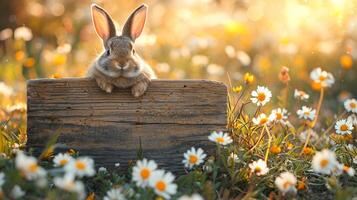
<point x="102" y="22"/>
<point x="134" y="25"/>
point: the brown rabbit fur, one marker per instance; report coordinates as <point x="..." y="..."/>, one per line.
<point x="119" y="65"/>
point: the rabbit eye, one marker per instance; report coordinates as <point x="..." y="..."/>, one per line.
<point x="107" y="53"/>
<point x="133" y="51"/>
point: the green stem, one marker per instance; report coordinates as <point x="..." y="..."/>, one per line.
<point x="318" y="107"/>
<point x="269" y="143"/>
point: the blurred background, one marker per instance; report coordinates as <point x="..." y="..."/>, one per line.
<point x="184" y="39"/>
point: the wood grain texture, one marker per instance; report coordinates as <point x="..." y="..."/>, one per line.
<point x="172" y="116"/>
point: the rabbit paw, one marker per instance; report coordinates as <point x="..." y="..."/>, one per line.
<point x="107" y="87"/>
<point x="139" y="89"/>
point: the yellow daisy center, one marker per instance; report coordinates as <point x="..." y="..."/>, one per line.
<point x="257" y="169"/>
<point x="145" y="173"/>
<point x="220" y="139"/>
<point x="343" y="127"/>
<point x="80" y="165"/>
<point x="352" y="105"/>
<point x="261" y="97"/>
<point x="33" y="167"/>
<point x="193" y="159"/>
<point x="307" y="113"/>
<point x="279" y="116"/>
<point x="346" y="168"/>
<point x="63" y="162"/>
<point x="263" y="120"/>
<point x="324" y="163"/>
<point x="161" y="186"/>
<point x="322" y="78"/>
<point x="287" y="184"/>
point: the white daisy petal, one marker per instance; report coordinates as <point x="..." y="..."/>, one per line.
<point x="261" y="96"/>
<point x="193" y="158"/>
<point x="344" y="126"/>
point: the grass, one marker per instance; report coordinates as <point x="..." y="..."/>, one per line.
<point x="220" y="176"/>
<point x="197" y="40"/>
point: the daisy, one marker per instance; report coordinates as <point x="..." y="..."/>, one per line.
<point x="286" y="182"/>
<point x="233" y="157"/>
<point x="28" y="166"/>
<point x="313" y="135"/>
<point x="288" y="124"/>
<point x="278" y="115"/>
<point x="324" y="78"/>
<point x="5" y="90"/>
<point x="259" y="167"/>
<point x="220" y="138"/>
<point x="353" y="119"/>
<point x="262" y="119"/>
<point x="192" y="197"/>
<point x="261" y="96"/>
<point x="349" y="170"/>
<point x="207" y="168"/>
<point x="324" y="162"/>
<point x="306" y="113"/>
<point x="344" y="127"/>
<point x="143" y="171"/>
<point x="162" y="183"/>
<point x="193" y="157"/>
<point x="17" y="192"/>
<point x="42" y="182"/>
<point x="299" y="94"/>
<point x="16" y="107"/>
<point x="114" y="194"/>
<point x="102" y="169"/>
<point x="82" y="166"/>
<point x="68" y="183"/>
<point x="351" y="105"/>
<point x="338" y="169"/>
<point x="23" y="33"/>
<point x="61" y="159"/>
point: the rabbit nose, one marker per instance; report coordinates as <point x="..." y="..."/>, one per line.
<point x="122" y="66"/>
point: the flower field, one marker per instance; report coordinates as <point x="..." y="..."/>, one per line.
<point x="289" y="66"/>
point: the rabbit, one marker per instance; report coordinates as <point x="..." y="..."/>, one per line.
<point x="119" y="65"/>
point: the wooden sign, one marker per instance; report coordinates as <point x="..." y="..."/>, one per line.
<point x="171" y="117"/>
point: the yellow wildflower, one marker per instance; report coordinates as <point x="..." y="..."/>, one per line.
<point x="316" y="85"/>
<point x="275" y="149"/>
<point x="19" y="55"/>
<point x="346" y="61"/>
<point x="91" y="196"/>
<point x="237" y="89"/>
<point x="29" y="62"/>
<point x="248" y="78"/>
<point x="71" y="151"/>
<point x="301" y="184"/>
<point x="59" y="59"/>
<point x="56" y="75"/>
<point x="289" y="145"/>
<point x="308" y="151"/>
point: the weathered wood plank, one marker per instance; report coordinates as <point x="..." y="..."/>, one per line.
<point x="170" y="118"/>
